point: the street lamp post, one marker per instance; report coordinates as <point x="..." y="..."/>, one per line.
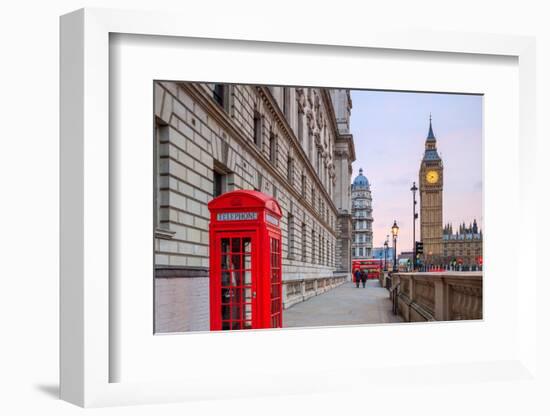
<point x="415" y="216"/>
<point x="385" y="255"/>
<point x="394" y="231"/>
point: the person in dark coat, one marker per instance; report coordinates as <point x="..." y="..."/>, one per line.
<point x="357" y="276"/>
<point x="364" y="277"/>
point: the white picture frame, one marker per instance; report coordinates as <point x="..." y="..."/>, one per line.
<point x="87" y="308"/>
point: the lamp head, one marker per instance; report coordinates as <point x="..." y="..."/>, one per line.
<point x="394" y="229"/>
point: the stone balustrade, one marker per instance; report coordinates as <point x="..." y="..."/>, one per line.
<point x="299" y="290"/>
<point x="444" y="296"/>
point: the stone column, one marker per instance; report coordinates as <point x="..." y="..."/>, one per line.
<point x="441" y="299"/>
<point x="344" y="155"/>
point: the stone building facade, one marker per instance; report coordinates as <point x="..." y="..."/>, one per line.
<point x="463" y="246"/>
<point x="361" y="199"/>
<point x="291" y="143"/>
<point x="344" y="155"/>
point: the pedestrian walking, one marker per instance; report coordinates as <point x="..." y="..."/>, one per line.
<point x="364" y="276"/>
<point x="357" y="276"/>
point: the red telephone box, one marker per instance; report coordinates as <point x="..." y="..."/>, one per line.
<point x="245" y="261"/>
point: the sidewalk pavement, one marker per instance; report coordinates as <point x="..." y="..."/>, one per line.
<point x="345" y="305"/>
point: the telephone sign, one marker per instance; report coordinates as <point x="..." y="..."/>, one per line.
<point x="271" y="219"/>
<point x="236" y="216"/>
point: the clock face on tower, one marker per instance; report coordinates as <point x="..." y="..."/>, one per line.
<point x="432" y="176"/>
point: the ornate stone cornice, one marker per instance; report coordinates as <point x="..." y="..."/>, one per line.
<point x="341" y="154"/>
<point x="347" y="141"/>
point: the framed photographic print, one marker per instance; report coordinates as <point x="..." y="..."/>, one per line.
<point x="258" y="209"/>
<point x="254" y="208"/>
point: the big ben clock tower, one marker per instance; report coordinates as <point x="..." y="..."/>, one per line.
<point x="431" y="200"/>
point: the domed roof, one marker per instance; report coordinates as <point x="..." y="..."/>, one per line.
<point x="361" y="180"/>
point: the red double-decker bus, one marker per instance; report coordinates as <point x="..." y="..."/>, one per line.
<point x="373" y="267"/>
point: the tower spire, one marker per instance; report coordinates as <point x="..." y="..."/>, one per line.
<point x="431" y="135"/>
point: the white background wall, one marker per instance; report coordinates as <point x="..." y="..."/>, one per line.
<point x="29" y="199"/>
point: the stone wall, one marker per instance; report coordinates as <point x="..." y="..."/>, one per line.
<point x="181" y="302"/>
<point x="296" y="291"/>
<point x="444" y="296"/>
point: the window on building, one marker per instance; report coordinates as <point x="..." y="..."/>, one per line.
<point x="220" y="93"/>
<point x="360" y="251"/>
<point x="272" y="148"/>
<point x="258" y="129"/>
<point x="319" y="161"/>
<point x="320" y="249"/>
<point x="258" y="186"/>
<point x="289" y="169"/>
<point x="313" y="252"/>
<point x="303" y="235"/>
<point x="161" y="135"/>
<point x="220" y="181"/>
<point x="291" y="239"/>
<point x="304" y="184"/>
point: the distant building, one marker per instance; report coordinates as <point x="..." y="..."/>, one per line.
<point x="361" y="213"/>
<point x="378" y="253"/>
<point x="464" y="247"/>
<point x="407" y="255"/>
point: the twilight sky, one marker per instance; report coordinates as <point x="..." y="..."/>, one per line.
<point x="389" y="130"/>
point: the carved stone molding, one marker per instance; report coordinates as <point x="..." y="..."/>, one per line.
<point x="341" y="154"/>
